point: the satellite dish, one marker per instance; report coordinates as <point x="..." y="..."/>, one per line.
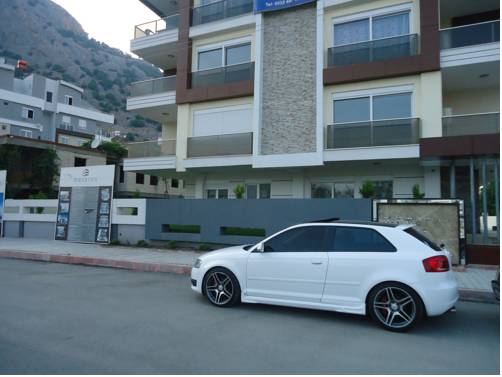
<point x="95" y="143"/>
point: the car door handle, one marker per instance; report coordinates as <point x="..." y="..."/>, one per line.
<point x="317" y="262"/>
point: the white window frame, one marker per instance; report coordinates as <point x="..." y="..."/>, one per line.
<point x="67" y="100"/>
<point x="258" y="184"/>
<point x="223" y="46"/>
<point x="65" y="140"/>
<point x="219" y="110"/>
<point x="403" y="89"/>
<point x="63" y="120"/>
<point x="26" y="133"/>
<point x="217" y="192"/>
<point x="332" y="184"/>
<point x="387" y="11"/>
<point x="25" y="113"/>
<point x="82" y="124"/>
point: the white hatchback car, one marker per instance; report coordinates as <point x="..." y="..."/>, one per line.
<point x="392" y="272"/>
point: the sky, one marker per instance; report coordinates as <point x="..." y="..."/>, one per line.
<point x="113" y="23"/>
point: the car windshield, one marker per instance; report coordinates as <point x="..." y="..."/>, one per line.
<point x="422" y="238"/>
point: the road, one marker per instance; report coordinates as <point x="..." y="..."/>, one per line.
<point x="83" y="320"/>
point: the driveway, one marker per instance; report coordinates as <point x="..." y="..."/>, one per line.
<point x="73" y="319"/>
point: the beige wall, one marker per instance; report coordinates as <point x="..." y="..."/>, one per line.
<point x="72" y="140"/>
<point x="472" y="101"/>
<point x="427" y="101"/>
<point x="201" y="42"/>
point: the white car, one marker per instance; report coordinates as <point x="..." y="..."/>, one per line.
<point x="392" y="272"/>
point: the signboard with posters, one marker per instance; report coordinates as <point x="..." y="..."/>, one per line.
<point x="3" y="183"/>
<point x="85" y="202"/>
<point x="270" y="5"/>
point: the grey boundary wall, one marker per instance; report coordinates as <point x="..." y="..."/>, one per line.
<point x="271" y="215"/>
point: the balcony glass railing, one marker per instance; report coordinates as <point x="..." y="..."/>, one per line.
<point x="155" y="86"/>
<point x="220" y="10"/>
<point x="470" y="35"/>
<point x="155" y="148"/>
<point x="373" y="133"/>
<point x="157" y="26"/>
<point x="223" y="75"/>
<point x="220" y="145"/>
<point x="471" y="124"/>
<point x="376" y="50"/>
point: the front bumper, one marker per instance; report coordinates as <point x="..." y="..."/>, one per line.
<point x="196" y="277"/>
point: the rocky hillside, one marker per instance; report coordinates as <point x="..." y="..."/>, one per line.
<point x="55" y="45"/>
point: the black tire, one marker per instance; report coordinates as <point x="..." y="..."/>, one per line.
<point x="221" y="287"/>
<point x="395" y="306"/>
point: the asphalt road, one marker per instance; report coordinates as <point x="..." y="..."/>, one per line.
<point x="69" y="319"/>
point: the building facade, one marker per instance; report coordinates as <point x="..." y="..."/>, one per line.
<point x="315" y="100"/>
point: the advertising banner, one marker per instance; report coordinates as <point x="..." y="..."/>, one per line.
<point x="3" y="183"/>
<point x="85" y="202"/>
<point x="270" y="5"/>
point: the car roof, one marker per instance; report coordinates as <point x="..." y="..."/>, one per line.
<point x="358" y="222"/>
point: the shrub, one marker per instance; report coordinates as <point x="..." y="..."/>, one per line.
<point x="172" y="245"/>
<point x="239" y="191"/>
<point x="416" y="192"/>
<point x="142" y="243"/>
<point x="367" y="190"/>
<point x="205" y="247"/>
<point x="114" y="242"/>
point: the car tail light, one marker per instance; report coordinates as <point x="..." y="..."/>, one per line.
<point x="436" y="264"/>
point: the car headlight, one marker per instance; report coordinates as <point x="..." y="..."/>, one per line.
<point x="197" y="263"/>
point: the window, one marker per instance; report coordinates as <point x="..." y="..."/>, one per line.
<point x="28" y="113"/>
<point x="65" y="140"/>
<point x="308" y="238"/>
<point x="384" y="189"/>
<point x="140" y="178"/>
<point x="371" y="28"/>
<point x="175" y="183"/>
<point x="223" y="120"/>
<point x="121" y="174"/>
<point x="332" y="190"/>
<point x="80" y="161"/>
<point x="26" y="133"/>
<point x="82" y="123"/>
<point x="372" y="107"/>
<point x="48" y="97"/>
<point x="349" y="239"/>
<point x="422" y="238"/>
<point x="225" y="55"/>
<point x="154" y="180"/>
<point x="66" y="121"/>
<point x="217" y="194"/>
<point x="69" y="100"/>
<point x="258" y="191"/>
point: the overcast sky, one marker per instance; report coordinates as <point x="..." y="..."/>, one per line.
<point x="109" y="21"/>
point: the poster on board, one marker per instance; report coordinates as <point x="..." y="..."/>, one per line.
<point x="3" y="184"/>
<point x="84" y="204"/>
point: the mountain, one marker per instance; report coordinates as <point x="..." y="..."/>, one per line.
<point x="55" y="45"/>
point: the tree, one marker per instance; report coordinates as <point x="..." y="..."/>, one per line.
<point x="45" y="169"/>
<point x="367" y="190"/>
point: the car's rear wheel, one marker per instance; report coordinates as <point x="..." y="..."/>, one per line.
<point x="221" y="287"/>
<point x="395" y="306"/>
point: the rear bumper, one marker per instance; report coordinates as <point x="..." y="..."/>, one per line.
<point x="440" y="298"/>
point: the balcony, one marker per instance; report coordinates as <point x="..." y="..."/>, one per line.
<point x="154" y="148"/>
<point x="470" y="35"/>
<point x="373" y="133"/>
<point x="223" y="75"/>
<point x="220" y="10"/>
<point x="220" y="145"/>
<point x="372" y="51"/>
<point x="471" y="124"/>
<point x="155" y="86"/>
<point x="156" y="41"/>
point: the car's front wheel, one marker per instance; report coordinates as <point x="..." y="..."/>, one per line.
<point x="395" y="306"/>
<point x="221" y="287"/>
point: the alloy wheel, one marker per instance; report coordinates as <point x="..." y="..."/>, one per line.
<point x="219" y="288"/>
<point x="394" y="307"/>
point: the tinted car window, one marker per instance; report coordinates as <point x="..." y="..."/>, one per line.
<point x="419" y="236"/>
<point x="360" y="239"/>
<point x="310" y="238"/>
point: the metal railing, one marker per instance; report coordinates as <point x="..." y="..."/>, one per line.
<point x="376" y="50"/>
<point x="154" y="148"/>
<point x="155" y="86"/>
<point x="471" y="124"/>
<point x="220" y="145"/>
<point x="153" y="27"/>
<point x="223" y="75"/>
<point x="470" y="35"/>
<point x="220" y="10"/>
<point x="373" y="133"/>
<point x="66" y="127"/>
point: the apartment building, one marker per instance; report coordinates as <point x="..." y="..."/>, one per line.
<point x="310" y="99"/>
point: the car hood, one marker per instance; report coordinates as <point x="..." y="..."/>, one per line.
<point x="233" y="251"/>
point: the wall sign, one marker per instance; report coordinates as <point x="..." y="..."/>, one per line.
<point x="85" y="202"/>
<point x="270" y="5"/>
<point x="3" y="183"/>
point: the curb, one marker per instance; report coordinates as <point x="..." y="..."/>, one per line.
<point x="473" y="295"/>
<point x="97" y="262"/>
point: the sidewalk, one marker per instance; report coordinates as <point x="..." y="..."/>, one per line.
<point x="474" y="283"/>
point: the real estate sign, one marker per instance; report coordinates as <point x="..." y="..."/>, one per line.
<point x="3" y="183"/>
<point x="85" y="204"/>
<point x="270" y="5"/>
